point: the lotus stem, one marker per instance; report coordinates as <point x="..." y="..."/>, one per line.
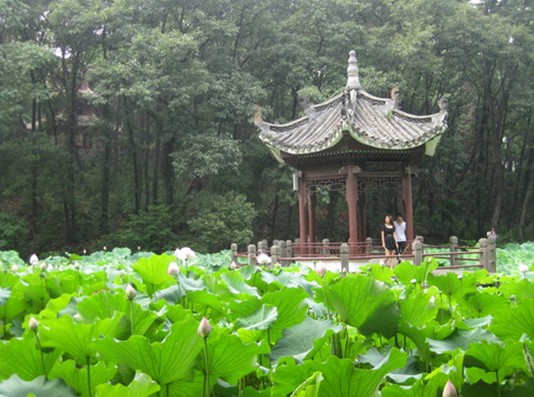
<point x="41" y="354"/>
<point x="89" y="377"/>
<point x="131" y="318"/>
<point x="206" y="386"/>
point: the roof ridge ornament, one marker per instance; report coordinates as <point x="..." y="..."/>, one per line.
<point x="353" y="80"/>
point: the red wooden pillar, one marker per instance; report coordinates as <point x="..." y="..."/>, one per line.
<point x="311" y="217"/>
<point x="407" y="198"/>
<point x="302" y="196"/>
<point x="352" y="202"/>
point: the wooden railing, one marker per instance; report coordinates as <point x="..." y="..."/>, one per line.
<point x="452" y="255"/>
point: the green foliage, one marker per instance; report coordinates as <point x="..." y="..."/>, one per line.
<point x="152" y="230"/>
<point x="72" y="329"/>
<point x="225" y="218"/>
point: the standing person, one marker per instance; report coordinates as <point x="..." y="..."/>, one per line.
<point x="389" y="241"/>
<point x="400" y="232"/>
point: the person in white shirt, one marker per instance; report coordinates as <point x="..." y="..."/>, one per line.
<point x="400" y="232"/>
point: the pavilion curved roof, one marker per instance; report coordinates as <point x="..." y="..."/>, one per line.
<point x="370" y="120"/>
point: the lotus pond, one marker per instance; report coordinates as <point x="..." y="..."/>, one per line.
<point x="122" y="324"/>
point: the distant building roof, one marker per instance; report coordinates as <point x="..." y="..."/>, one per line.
<point x="373" y="121"/>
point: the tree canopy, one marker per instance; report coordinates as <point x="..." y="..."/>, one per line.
<point x="118" y="117"/>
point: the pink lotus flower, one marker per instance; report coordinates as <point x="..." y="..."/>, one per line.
<point x="449" y="390"/>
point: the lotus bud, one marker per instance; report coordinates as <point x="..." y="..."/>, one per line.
<point x="173" y="269"/>
<point x="84" y="251"/>
<point x="14" y="268"/>
<point x="204" y="328"/>
<point x="77" y="317"/>
<point x="413" y="281"/>
<point x="264" y="259"/>
<point x="321" y="271"/>
<point x="233" y="265"/>
<point x="49" y="268"/>
<point x="33" y="324"/>
<point x="449" y="390"/>
<point x="130" y="292"/>
<point x="138" y="248"/>
<point x="76" y="265"/>
<point x="43" y="266"/>
<point x="105" y="248"/>
<point x="177" y="253"/>
<point x="523" y="268"/>
<point x="34" y="259"/>
<point x="460" y="276"/>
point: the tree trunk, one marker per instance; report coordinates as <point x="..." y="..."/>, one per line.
<point x="135" y="162"/>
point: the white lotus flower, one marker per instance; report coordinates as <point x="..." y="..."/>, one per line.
<point x="413" y="281"/>
<point x="33" y="324"/>
<point x="43" y="266"/>
<point x="523" y="268"/>
<point x="263" y="259"/>
<point x="105" y="248"/>
<point x="130" y="292"/>
<point x="204" y="328"/>
<point x="34" y="259"/>
<point x="233" y="265"/>
<point x="321" y="271"/>
<point x="14" y="268"/>
<point x="76" y="265"/>
<point x="173" y="269"/>
<point x="184" y="254"/>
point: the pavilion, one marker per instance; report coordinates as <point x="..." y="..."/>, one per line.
<point x="352" y="143"/>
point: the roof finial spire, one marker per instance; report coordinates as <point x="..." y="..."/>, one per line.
<point x="353" y="80"/>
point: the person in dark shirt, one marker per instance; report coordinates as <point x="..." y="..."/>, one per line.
<point x="389" y="241"/>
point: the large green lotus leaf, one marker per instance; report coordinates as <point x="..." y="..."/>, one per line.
<point x="22" y="357"/>
<point x="190" y="283"/>
<point x="291" y="309"/>
<point x="410" y="372"/>
<point x="236" y="284"/>
<point x="287" y="375"/>
<point x="187" y="387"/>
<point x="39" y="387"/>
<point x="406" y="272"/>
<point x="515" y="321"/>
<point x="244" y="307"/>
<point x="141" y="386"/>
<point x="420" y="336"/>
<point x="521" y="290"/>
<point x="171" y="295"/>
<point x="380" y="273"/>
<point x="8" y="280"/>
<point x="76" y="339"/>
<point x="417" y="310"/>
<point x="460" y="339"/>
<point x="364" y="303"/>
<point x="449" y="284"/>
<point x="204" y="299"/>
<point x="310" y="387"/>
<point x="485" y="303"/>
<point x="490" y="390"/>
<point x="229" y="357"/>
<point x="14" y="308"/>
<point x="299" y="340"/>
<point x="495" y="357"/>
<point x="77" y="378"/>
<point x="5" y="293"/>
<point x="259" y="320"/>
<point x="342" y="379"/>
<point x="108" y="304"/>
<point x="153" y="270"/>
<point x="420" y="388"/>
<point x="66" y="303"/>
<point x="165" y="361"/>
<point x="289" y="280"/>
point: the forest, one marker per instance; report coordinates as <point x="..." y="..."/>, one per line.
<point x="131" y="123"/>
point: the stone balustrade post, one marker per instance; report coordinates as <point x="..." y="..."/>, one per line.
<point x="417" y="249"/>
<point x="325" y="249"/>
<point x="368" y="245"/>
<point x="275" y="255"/>
<point x="233" y="248"/>
<point x="483" y="246"/>
<point x="492" y="254"/>
<point x="453" y="241"/>
<point x="252" y="255"/>
<point x="344" y="254"/>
